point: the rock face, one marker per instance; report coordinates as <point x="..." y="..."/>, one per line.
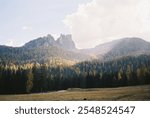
<point x="41" y="41"/>
<point x="65" y="41"/>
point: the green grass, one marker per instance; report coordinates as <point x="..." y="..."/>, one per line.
<point x="132" y="93"/>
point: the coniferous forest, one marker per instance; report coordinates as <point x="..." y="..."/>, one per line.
<point x="42" y="77"/>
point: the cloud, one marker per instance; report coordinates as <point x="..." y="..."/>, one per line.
<point x="56" y="36"/>
<point x="101" y="21"/>
<point x="10" y="42"/>
<point x="26" y="28"/>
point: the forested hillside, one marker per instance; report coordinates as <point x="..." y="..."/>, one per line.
<point x="35" y="77"/>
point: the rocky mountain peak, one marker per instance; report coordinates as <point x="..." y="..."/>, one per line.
<point x="66" y="42"/>
<point x="41" y="41"/>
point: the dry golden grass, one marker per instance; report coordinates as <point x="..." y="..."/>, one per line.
<point x="122" y="93"/>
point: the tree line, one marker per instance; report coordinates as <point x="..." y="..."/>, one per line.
<point x="35" y="77"/>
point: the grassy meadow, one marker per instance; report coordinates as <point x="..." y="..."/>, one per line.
<point x="132" y="93"/>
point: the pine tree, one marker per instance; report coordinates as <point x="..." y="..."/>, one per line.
<point x="29" y="84"/>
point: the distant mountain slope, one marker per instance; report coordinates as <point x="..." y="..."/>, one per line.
<point x="128" y="46"/>
<point x="119" y="48"/>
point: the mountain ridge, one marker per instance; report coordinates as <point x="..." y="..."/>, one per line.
<point x="64" y="41"/>
<point x="45" y="48"/>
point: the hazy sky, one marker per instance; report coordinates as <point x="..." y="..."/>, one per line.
<point x="24" y="20"/>
<point x="89" y="21"/>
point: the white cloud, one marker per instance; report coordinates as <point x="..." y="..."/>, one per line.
<point x="56" y="36"/>
<point x="10" y="42"/>
<point x="104" y="20"/>
<point x="26" y="28"/>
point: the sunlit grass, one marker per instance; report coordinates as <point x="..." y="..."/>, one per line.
<point x="121" y="93"/>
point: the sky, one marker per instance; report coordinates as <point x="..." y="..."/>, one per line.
<point x="25" y="20"/>
<point x="91" y="22"/>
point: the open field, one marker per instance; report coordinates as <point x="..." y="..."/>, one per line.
<point x="122" y="93"/>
